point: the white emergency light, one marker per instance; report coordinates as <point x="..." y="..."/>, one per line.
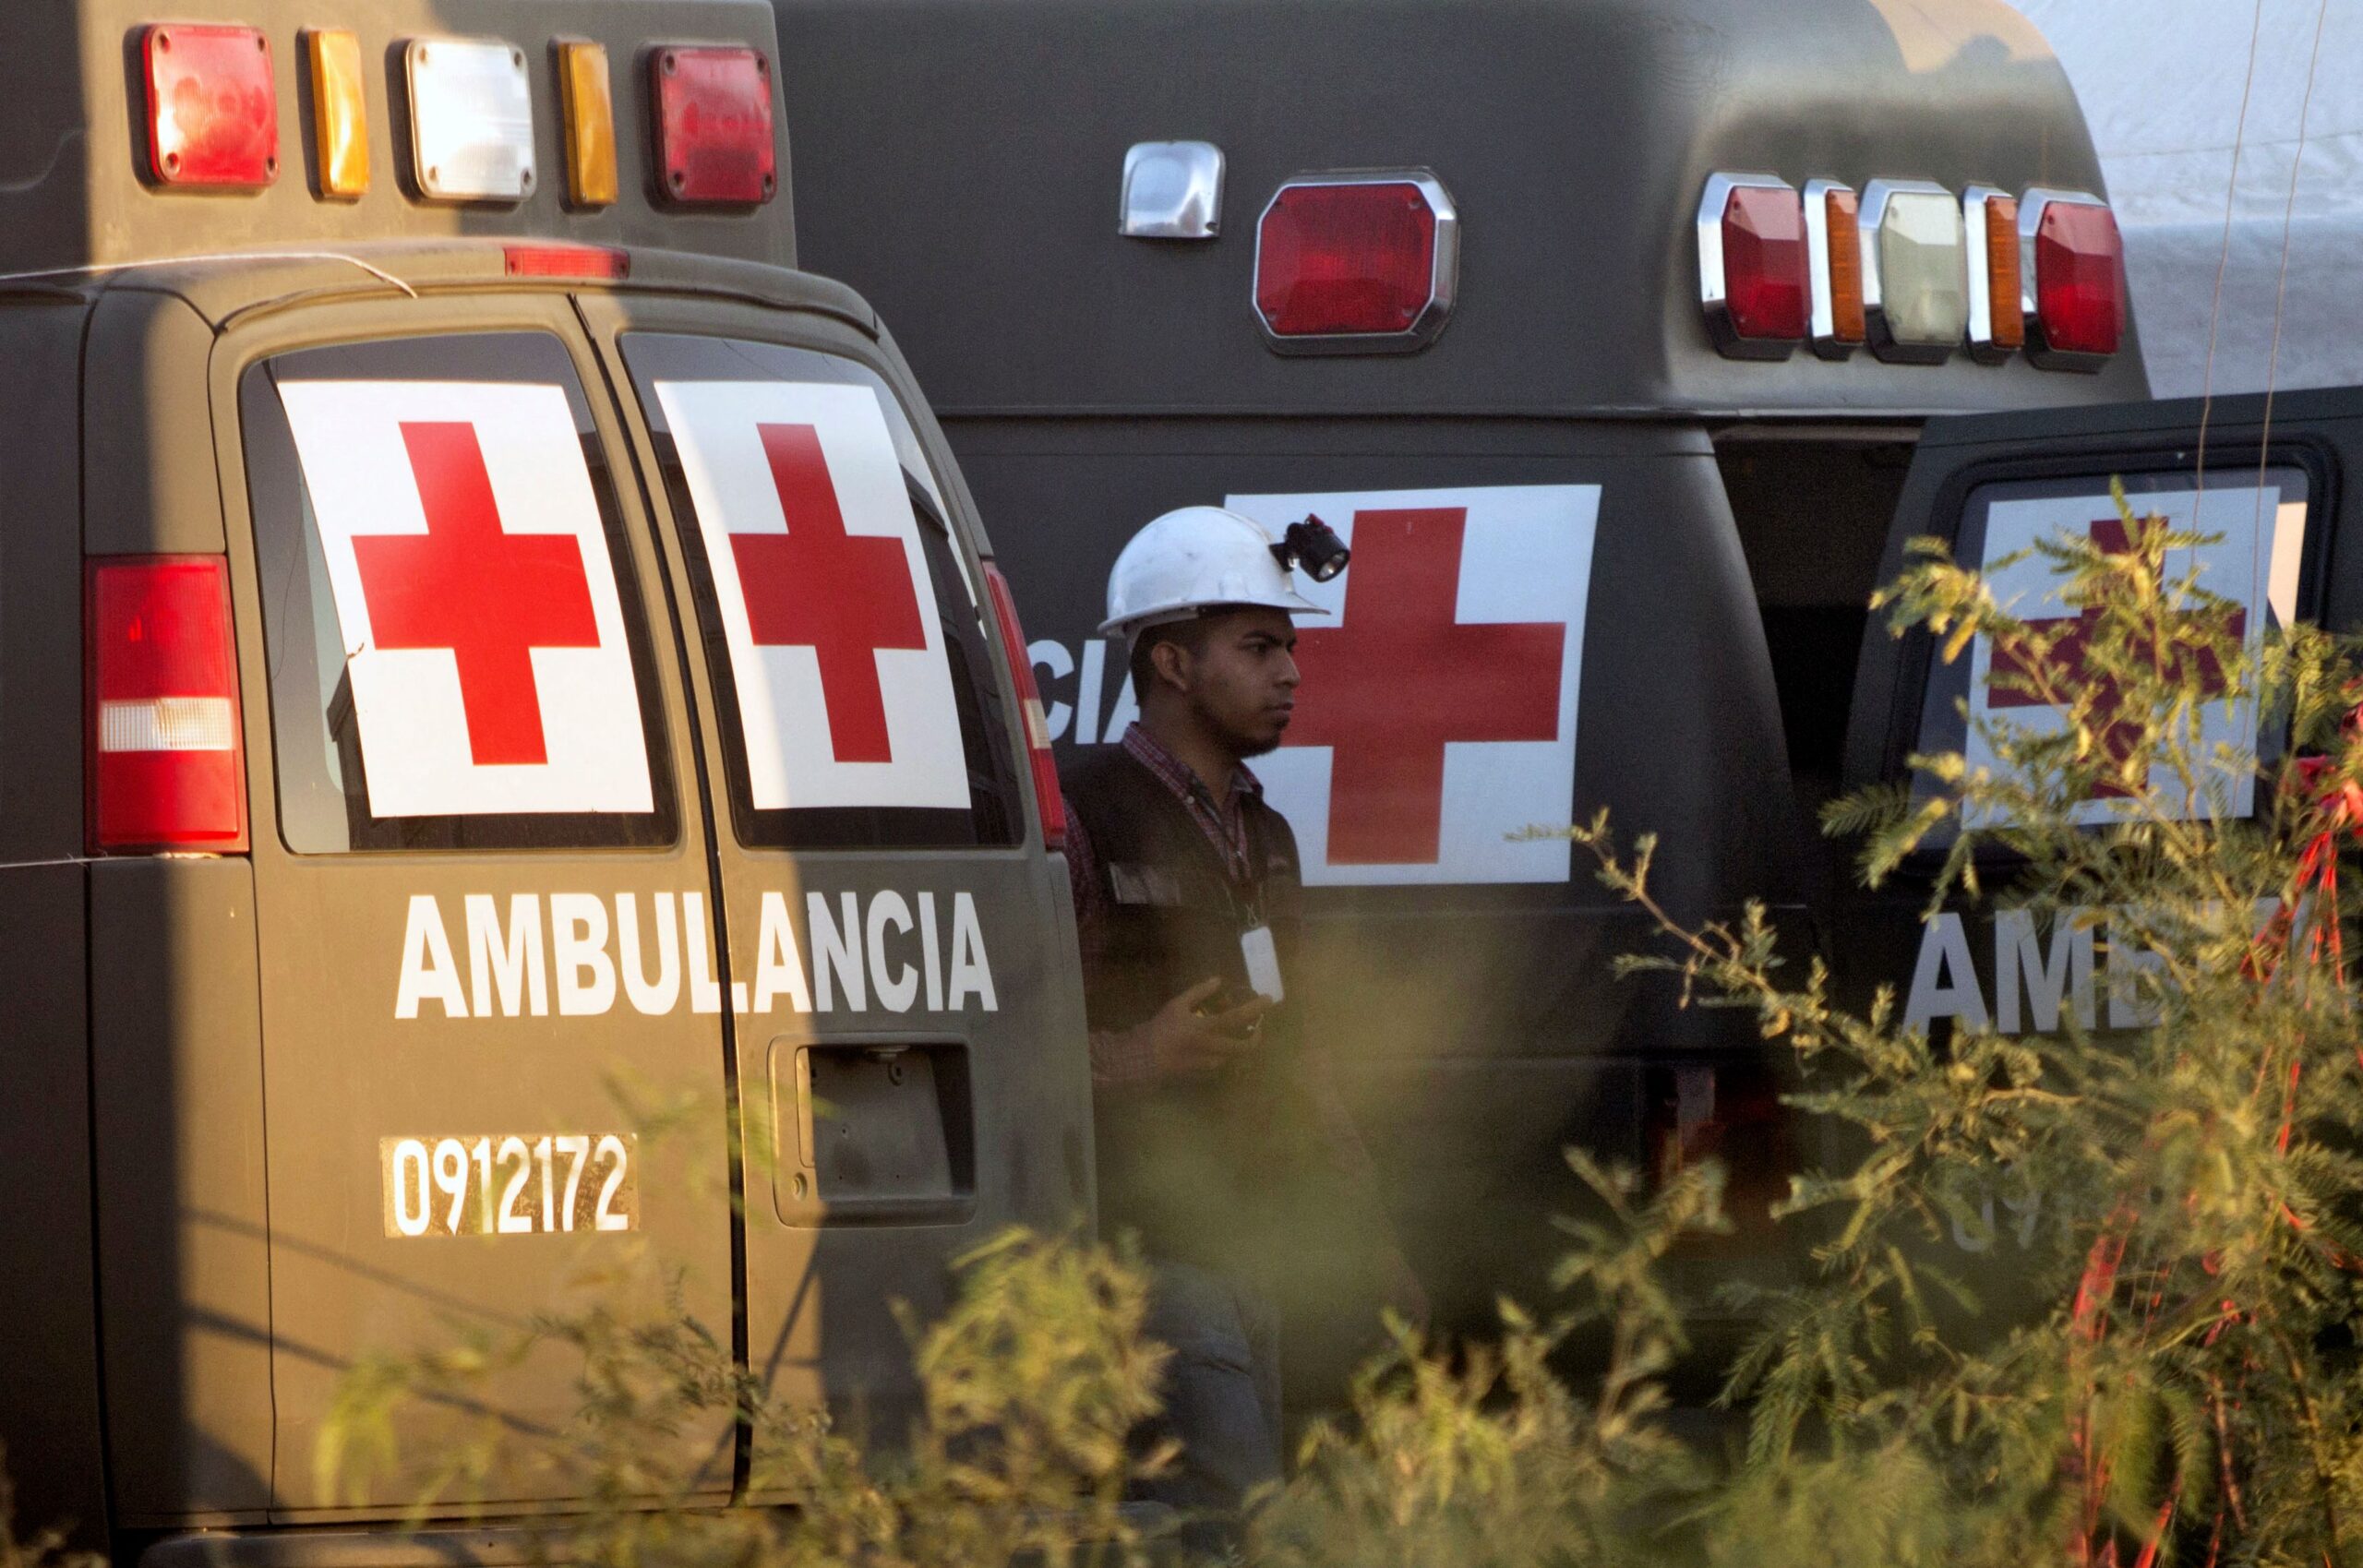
<point x="1915" y="279"/>
<point x="471" y="119"/>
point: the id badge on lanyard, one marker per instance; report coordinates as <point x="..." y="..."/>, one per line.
<point x="1262" y="963"/>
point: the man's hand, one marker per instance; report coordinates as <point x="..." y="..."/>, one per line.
<point x="1180" y="1041"/>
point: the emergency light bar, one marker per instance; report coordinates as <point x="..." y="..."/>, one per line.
<point x="1912" y="271"/>
<point x="211" y="116"/>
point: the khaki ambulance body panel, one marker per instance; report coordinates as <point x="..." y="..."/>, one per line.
<point x="49" y="1352"/>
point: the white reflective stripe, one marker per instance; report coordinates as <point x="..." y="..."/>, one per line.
<point x="168" y="723"/>
<point x="1037" y="727"/>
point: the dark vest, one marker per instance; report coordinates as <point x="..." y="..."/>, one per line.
<point x="1220" y="1170"/>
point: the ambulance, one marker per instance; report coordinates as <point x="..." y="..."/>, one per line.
<point x="519" y="787"/>
<point x="1604" y="331"/>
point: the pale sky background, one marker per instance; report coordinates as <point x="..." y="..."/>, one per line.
<point x="2162" y="82"/>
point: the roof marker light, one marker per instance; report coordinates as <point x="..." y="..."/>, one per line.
<point x="1357" y="263"/>
<point x="471" y="119"/>
<point x="340" y="111"/>
<point x="1915" y="280"/>
<point x="212" y="106"/>
<point x="1753" y="265"/>
<point x="566" y="261"/>
<point x="590" y="110"/>
<point x="1834" y="266"/>
<point x="712" y="108"/>
<point x="2072" y="268"/>
<point x="1990" y="218"/>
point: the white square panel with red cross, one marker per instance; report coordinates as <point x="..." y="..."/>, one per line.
<point x="484" y="637"/>
<point x="845" y="698"/>
<point x="2254" y="563"/>
<point x="1437" y="715"/>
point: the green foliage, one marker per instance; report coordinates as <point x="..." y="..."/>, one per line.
<point x="2150" y="1357"/>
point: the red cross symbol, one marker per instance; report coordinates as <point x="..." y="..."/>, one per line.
<point x="488" y="595"/>
<point x="1400" y="678"/>
<point x="842" y="595"/>
<point x="2120" y="738"/>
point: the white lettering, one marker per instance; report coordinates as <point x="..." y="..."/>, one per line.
<point x="512" y="962"/>
<point x="1944" y="948"/>
<point x="836" y="953"/>
<point x="656" y="998"/>
<point x="779" y="966"/>
<point x="1086" y="699"/>
<point x="1126" y="711"/>
<point x="971" y="971"/>
<point x="706" y="991"/>
<point x="579" y="944"/>
<point x="2134" y="977"/>
<point x="2020" y="962"/>
<point x="930" y="953"/>
<point x="1053" y="657"/>
<point x="897" y="993"/>
<point x="430" y="972"/>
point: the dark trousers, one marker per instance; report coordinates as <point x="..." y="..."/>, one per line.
<point x="1222" y="1396"/>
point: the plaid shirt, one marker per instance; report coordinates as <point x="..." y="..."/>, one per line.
<point x="1225" y="825"/>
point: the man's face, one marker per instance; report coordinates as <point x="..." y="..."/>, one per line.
<point x="1241" y="677"/>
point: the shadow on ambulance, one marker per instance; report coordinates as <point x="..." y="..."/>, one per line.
<point x="2276" y="500"/>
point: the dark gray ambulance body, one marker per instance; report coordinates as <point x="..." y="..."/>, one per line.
<point x="430" y="545"/>
<point x="964" y="161"/>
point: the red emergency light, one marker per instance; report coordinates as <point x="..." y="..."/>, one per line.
<point x="713" y="110"/>
<point x="2072" y="262"/>
<point x="1753" y="266"/>
<point x="212" y="106"/>
<point x="1048" y="802"/>
<point x="166" y="759"/>
<point x="1356" y="263"/>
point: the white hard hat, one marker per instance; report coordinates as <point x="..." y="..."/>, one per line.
<point x="1197" y="558"/>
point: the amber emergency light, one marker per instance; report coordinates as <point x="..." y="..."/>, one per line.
<point x="212" y="106"/>
<point x="590" y="109"/>
<point x="1997" y="327"/>
<point x="340" y="111"/>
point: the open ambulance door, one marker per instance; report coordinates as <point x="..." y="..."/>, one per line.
<point x="2269" y="479"/>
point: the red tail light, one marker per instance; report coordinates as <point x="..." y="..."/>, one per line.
<point x="1364" y="263"/>
<point x="714" y="126"/>
<point x="166" y="761"/>
<point x="2074" y="259"/>
<point x="1052" y="803"/>
<point x="212" y="108"/>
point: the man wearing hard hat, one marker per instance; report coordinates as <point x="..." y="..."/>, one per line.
<point x="1222" y="1143"/>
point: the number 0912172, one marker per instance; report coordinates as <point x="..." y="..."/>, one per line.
<point x="509" y="1183"/>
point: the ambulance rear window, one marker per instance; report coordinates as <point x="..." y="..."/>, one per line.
<point x="458" y="654"/>
<point x="842" y="621"/>
<point x="2260" y="558"/>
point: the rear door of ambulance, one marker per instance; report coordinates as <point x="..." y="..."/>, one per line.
<point x="495" y="1078"/>
<point x="2271" y="483"/>
<point x="901" y="981"/>
<point x="535" y="916"/>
